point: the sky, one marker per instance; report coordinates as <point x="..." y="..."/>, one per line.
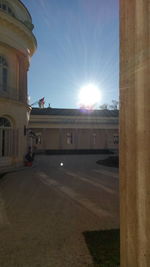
<point x="78" y="44"/>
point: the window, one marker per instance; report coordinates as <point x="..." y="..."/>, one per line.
<point x="5" y="126"/>
<point x="69" y="138"/>
<point x="5" y="7"/>
<point x="38" y="140"/>
<point x="116" y="139"/>
<point x="3" y="73"/>
<point x="4" y="123"/>
<point x="94" y="138"/>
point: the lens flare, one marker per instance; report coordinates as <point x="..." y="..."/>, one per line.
<point x="89" y="96"/>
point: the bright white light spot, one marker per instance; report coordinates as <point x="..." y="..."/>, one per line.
<point x="28" y="50"/>
<point x="61" y="164"/>
<point x="89" y="96"/>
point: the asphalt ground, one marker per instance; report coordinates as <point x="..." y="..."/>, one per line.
<point x="45" y="209"/>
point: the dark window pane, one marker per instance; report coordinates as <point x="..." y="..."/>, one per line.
<point x="4" y="6"/>
<point x="1" y="122"/>
<point x="4" y="122"/>
<point x="116" y="139"/>
<point x="3" y="61"/>
<point x="3" y="143"/>
<point x="4" y="78"/>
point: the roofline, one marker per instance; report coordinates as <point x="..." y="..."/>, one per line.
<point x="74" y="109"/>
<point x="87" y="110"/>
<point x="74" y="112"/>
<point x="26" y="9"/>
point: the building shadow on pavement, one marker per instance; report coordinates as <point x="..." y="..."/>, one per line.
<point x="104" y="247"/>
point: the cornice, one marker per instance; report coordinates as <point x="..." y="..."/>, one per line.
<point x="18" y="27"/>
<point x="75" y="118"/>
<point x="73" y="125"/>
<point x="22" y="5"/>
<point x="72" y="121"/>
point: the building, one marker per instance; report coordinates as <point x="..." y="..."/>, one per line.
<point x="49" y="129"/>
<point x="55" y="130"/>
<point x="17" y="45"/>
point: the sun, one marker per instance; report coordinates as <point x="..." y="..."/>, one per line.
<point x="89" y="96"/>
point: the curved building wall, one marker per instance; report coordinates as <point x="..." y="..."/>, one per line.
<point x="20" y="11"/>
<point x="17" y="44"/>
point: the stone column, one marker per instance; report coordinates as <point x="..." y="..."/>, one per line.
<point x="135" y="132"/>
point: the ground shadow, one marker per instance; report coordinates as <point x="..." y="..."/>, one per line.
<point x="110" y="162"/>
<point x="76" y="152"/>
<point x="104" y="247"/>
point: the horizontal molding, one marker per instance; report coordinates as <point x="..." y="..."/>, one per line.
<point x="17" y="26"/>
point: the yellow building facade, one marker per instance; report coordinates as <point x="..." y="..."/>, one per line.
<point x="17" y="45"/>
<point x="60" y="130"/>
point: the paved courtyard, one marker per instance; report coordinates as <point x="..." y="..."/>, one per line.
<point x="45" y="209"/>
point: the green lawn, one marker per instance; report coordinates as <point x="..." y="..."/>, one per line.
<point x="110" y="162"/>
<point x="104" y="247"/>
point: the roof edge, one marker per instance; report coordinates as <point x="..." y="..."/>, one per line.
<point x="25" y="8"/>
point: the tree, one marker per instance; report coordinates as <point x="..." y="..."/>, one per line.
<point x="104" y="106"/>
<point x="115" y="105"/>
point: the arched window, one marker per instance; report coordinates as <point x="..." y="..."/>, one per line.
<point x="3" y="73"/>
<point x="5" y="7"/>
<point x="4" y="123"/>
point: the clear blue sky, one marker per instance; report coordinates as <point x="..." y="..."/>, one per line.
<point x="78" y="42"/>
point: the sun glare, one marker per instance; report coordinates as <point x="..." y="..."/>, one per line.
<point x="89" y="96"/>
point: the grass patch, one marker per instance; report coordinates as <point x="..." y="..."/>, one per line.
<point x="76" y="151"/>
<point x="2" y="174"/>
<point x="110" y="162"/>
<point x="104" y="247"/>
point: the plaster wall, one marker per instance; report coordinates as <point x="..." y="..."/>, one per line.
<point x="81" y="138"/>
<point x="42" y="121"/>
<point x="50" y="139"/>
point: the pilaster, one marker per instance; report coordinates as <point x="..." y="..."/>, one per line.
<point x="23" y="69"/>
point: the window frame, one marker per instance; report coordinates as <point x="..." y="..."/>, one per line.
<point x="116" y="139"/>
<point x="69" y="138"/>
<point x="94" y="138"/>
<point x="3" y="73"/>
<point x="4" y="125"/>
